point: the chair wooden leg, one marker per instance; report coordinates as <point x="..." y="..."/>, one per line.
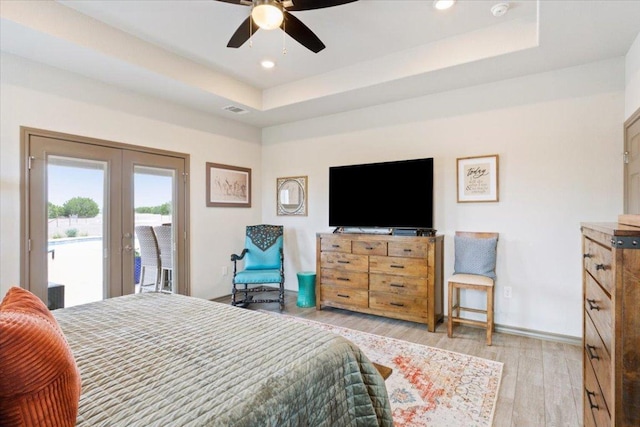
<point x="233" y="294"/>
<point x="450" y="318"/>
<point x="489" y="315"/>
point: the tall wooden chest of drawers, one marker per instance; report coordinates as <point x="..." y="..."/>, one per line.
<point x="392" y="276"/>
<point x="611" y="325"/>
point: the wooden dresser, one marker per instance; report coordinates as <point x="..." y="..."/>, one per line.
<point x="611" y="324"/>
<point x="391" y="276"/>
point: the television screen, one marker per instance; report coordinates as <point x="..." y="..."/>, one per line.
<point x="390" y="194"/>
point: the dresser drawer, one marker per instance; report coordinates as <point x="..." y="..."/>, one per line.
<point x="595" y="353"/>
<point x="398" y="266"/>
<point x="335" y="244"/>
<point x="369" y="248"/>
<point x="344" y="296"/>
<point x="344" y="278"/>
<point x="410" y="305"/>
<point x="594" y="405"/>
<point x="408" y="249"/>
<point x="344" y="261"/>
<point x="400" y="285"/>
<point x="597" y="305"/>
<point x="597" y="262"/>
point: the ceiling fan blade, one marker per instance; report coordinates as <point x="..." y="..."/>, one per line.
<point x="242" y="34"/>
<point x="301" y="33"/>
<point x="239" y="2"/>
<point x="316" y="4"/>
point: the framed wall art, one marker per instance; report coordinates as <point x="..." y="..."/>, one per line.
<point x="291" y="194"/>
<point x="228" y="186"/>
<point x="477" y="179"/>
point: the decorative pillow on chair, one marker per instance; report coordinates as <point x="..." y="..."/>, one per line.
<point x="39" y="379"/>
<point x="475" y="256"/>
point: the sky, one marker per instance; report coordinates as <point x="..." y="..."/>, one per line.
<point x="66" y="182"/>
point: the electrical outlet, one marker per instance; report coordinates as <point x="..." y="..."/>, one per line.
<point x="507" y="291"/>
<point x="225" y="271"/>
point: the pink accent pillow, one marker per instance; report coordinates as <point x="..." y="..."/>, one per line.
<point x="39" y="379"/>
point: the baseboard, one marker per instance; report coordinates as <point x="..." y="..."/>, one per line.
<point x="511" y="330"/>
<point x="547" y="336"/>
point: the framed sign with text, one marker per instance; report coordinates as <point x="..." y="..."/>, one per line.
<point x="477" y="179"/>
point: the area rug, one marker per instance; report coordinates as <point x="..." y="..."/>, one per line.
<point x="429" y="386"/>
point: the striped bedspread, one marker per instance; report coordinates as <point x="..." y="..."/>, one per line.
<point x="156" y="359"/>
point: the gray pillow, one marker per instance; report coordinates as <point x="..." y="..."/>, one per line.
<point x="475" y="256"/>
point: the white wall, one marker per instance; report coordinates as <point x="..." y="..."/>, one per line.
<point x="632" y="79"/>
<point x="559" y="137"/>
<point x="558" y="134"/>
<point x="42" y="97"/>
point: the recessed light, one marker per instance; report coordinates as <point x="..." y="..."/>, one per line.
<point x="443" y="4"/>
<point x="267" y="63"/>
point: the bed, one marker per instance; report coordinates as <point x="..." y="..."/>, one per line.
<point x="157" y="359"/>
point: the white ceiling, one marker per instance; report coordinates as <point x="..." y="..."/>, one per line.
<point x="377" y="51"/>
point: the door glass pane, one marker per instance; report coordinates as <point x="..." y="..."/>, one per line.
<point x="75" y="231"/>
<point x="154" y="206"/>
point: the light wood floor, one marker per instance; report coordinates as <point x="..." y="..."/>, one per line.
<point x="541" y="380"/>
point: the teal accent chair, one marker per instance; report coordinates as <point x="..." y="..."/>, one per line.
<point x="263" y="258"/>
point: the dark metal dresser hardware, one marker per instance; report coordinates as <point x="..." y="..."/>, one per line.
<point x="592" y="305"/>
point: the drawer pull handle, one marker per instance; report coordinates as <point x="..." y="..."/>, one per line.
<point x="593" y="305"/>
<point x="343" y="262"/>
<point x="587" y="256"/>
<point x="335" y="246"/>
<point x="601" y="267"/>
<point x="407" y="250"/>
<point x="397" y="304"/>
<point x="344" y="279"/>
<point x="396" y="285"/>
<point x="396" y="266"/>
<point x="590" y="350"/>
<point x="591" y="404"/>
<point x="343" y="296"/>
<point x="369" y="248"/>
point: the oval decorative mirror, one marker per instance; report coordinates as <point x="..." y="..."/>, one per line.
<point x="292" y="195"/>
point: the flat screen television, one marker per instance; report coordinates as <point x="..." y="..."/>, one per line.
<point x="395" y="194"/>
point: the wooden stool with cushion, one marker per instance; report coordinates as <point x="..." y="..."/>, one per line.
<point x="475" y="264"/>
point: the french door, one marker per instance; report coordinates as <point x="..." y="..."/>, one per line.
<point x="632" y="165"/>
<point x="82" y="199"/>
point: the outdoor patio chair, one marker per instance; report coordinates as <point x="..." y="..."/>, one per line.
<point x="164" y="237"/>
<point x="149" y="256"/>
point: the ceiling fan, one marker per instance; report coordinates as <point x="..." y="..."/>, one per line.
<point x="271" y="14"/>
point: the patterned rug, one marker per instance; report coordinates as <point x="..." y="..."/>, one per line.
<point x="429" y="386"/>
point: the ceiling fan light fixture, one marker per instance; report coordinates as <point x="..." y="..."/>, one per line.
<point x="267" y="14"/>
<point x="443" y="4"/>
<point x="267" y="64"/>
